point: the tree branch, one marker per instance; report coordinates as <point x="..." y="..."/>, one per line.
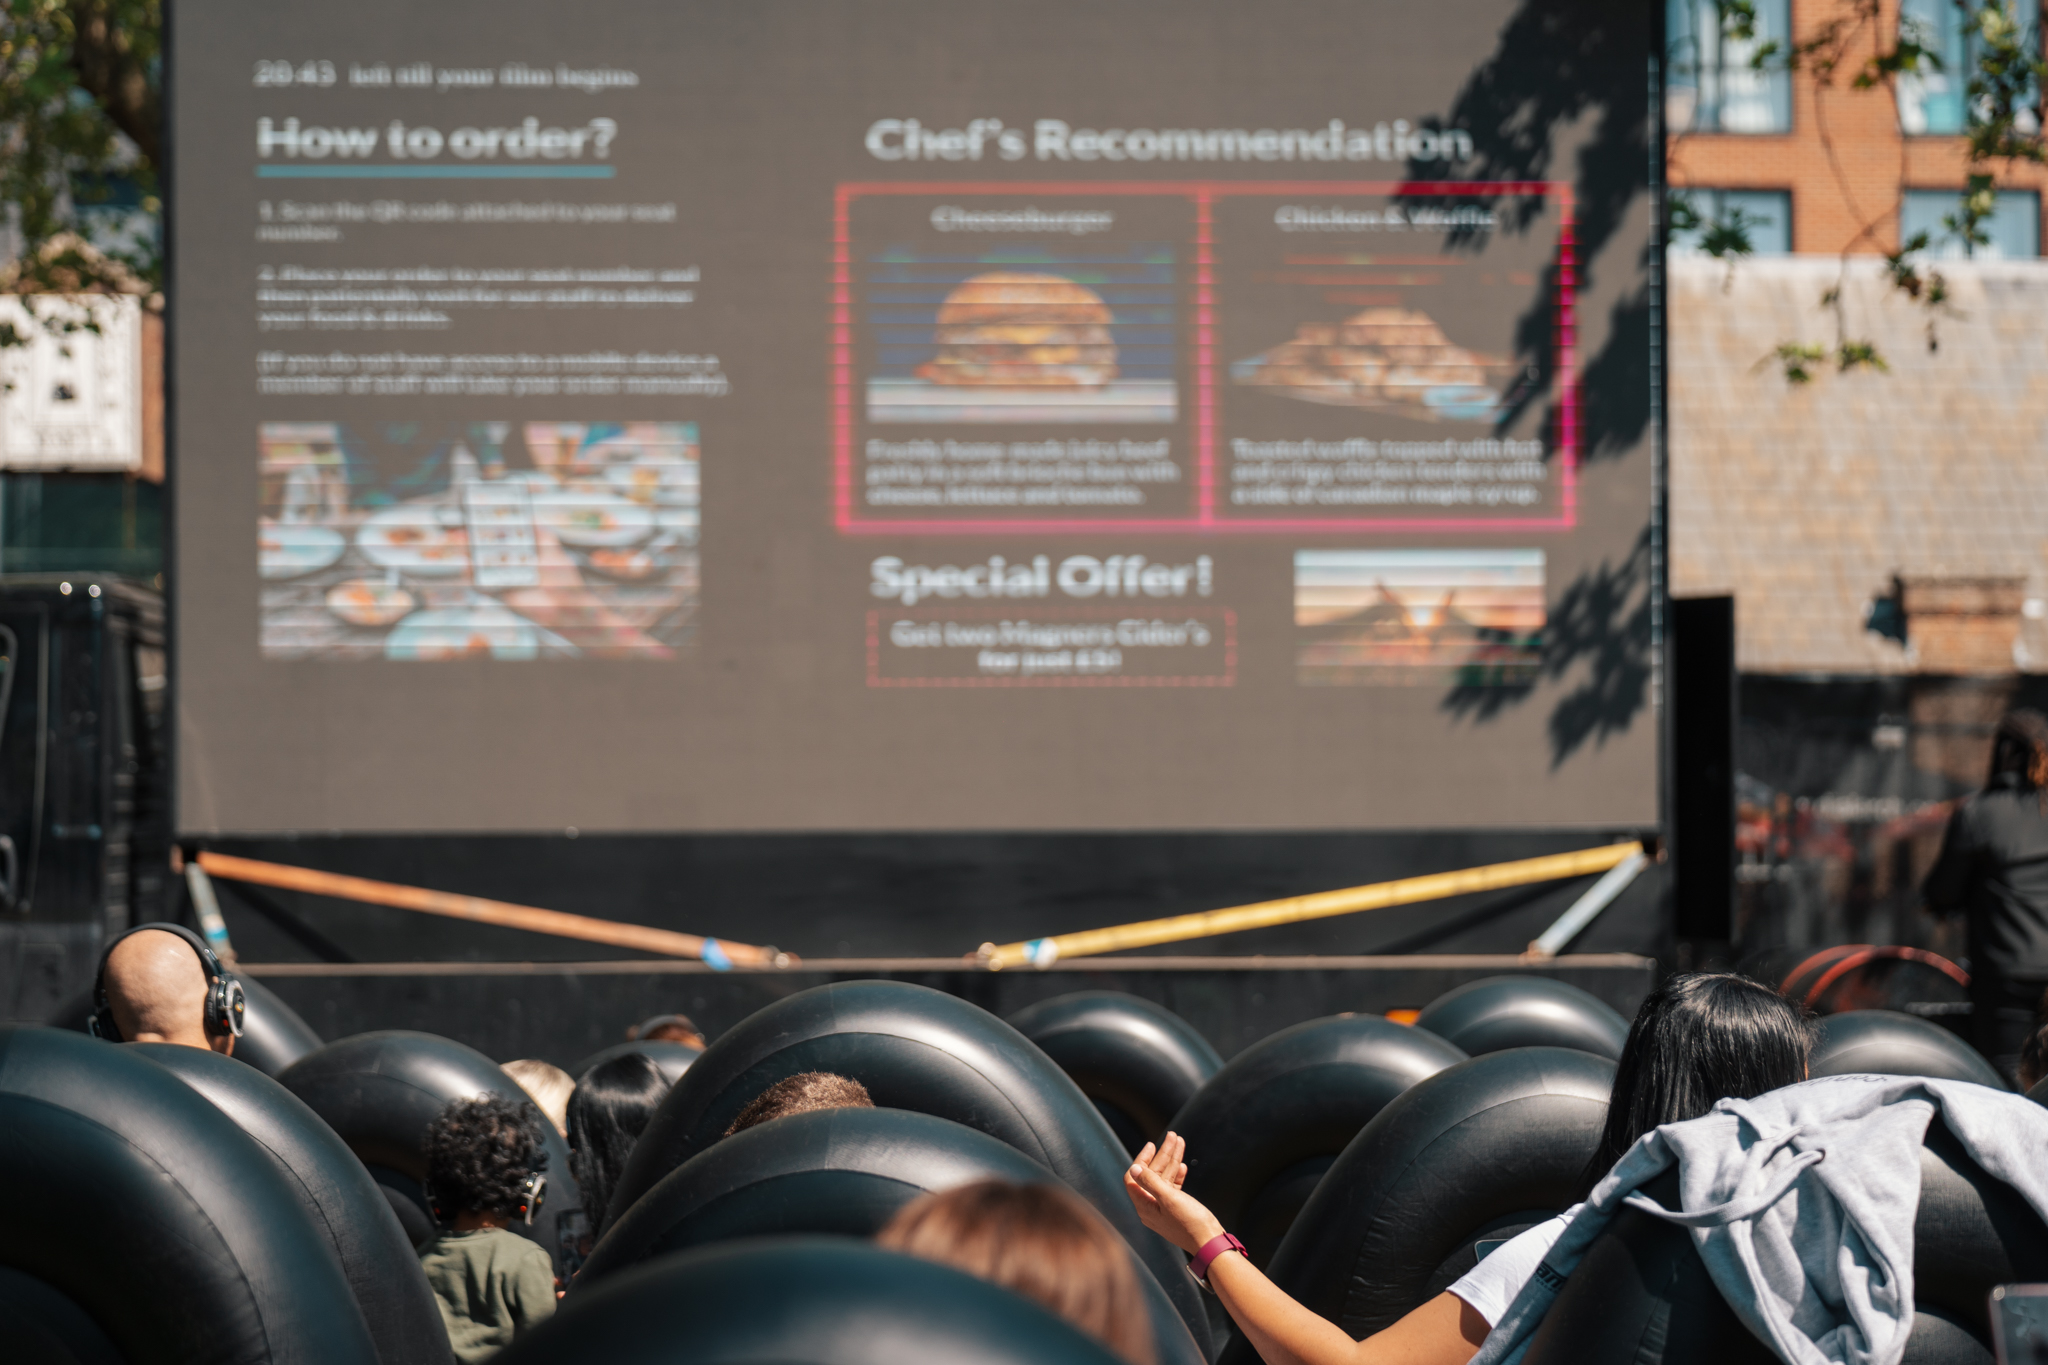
<point x="116" y="70"/>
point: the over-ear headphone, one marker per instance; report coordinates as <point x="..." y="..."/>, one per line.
<point x="226" y="1002"/>
<point x="532" y="1194"/>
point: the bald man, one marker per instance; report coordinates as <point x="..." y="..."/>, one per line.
<point x="156" y="987"/>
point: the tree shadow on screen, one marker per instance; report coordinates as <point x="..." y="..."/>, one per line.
<point x="1561" y="64"/>
<point x="1598" y="639"/>
<point x="1554" y="61"/>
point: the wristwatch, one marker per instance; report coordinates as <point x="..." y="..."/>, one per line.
<point x="1211" y="1249"/>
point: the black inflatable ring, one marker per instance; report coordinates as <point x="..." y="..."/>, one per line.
<point x="1482" y="1150"/>
<point x="913" y="1048"/>
<point x="1971" y="1232"/>
<point x="379" y="1091"/>
<point x="338" y="1195"/>
<point x="1267" y="1126"/>
<point x="42" y="1327"/>
<point x="791" y="1300"/>
<point x="673" y="1058"/>
<point x="273" y="1034"/>
<point x="1893" y="1044"/>
<point x="842" y="1171"/>
<point x="1501" y="1012"/>
<point x="1139" y="1062"/>
<point x="156" y="1217"/>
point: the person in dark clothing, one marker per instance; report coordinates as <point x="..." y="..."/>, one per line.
<point x="2033" y="1066"/>
<point x="1993" y="870"/>
<point x="485" y="1164"/>
<point x="608" y="1111"/>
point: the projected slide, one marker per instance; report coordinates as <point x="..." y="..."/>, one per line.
<point x="1022" y="336"/>
<point x="499" y="540"/>
<point x="1378" y="372"/>
<point x="1471" y="618"/>
<point x="1324" y="385"/>
<point x="1017" y="363"/>
<point x="906" y="416"/>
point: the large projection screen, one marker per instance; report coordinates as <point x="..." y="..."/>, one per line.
<point x="785" y="415"/>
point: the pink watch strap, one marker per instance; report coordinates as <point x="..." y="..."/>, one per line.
<point x="1211" y="1249"/>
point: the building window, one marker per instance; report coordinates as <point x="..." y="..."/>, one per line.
<point x="112" y="210"/>
<point x="1710" y="85"/>
<point x="1764" y="215"/>
<point x="2014" y="226"/>
<point x="1935" y="102"/>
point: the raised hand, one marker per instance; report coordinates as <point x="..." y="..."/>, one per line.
<point x="1154" y="1185"/>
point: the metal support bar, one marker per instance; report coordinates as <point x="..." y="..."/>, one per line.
<point x="1043" y="952"/>
<point x="307" y="937"/>
<point x="207" y="907"/>
<point x="715" y="953"/>
<point x="1587" y="908"/>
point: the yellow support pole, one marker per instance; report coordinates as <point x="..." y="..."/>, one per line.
<point x="1043" y="952"/>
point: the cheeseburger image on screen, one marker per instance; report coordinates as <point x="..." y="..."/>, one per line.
<point x="1008" y="343"/>
<point x="1020" y="328"/>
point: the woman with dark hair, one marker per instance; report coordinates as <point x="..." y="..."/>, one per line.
<point x="607" y="1113"/>
<point x="1993" y="870"/>
<point x="1041" y="1241"/>
<point x="1697" y="1039"/>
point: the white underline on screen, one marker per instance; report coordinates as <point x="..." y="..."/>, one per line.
<point x="435" y="172"/>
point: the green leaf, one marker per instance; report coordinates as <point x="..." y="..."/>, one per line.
<point x="1797" y="360"/>
<point x="80" y="103"/>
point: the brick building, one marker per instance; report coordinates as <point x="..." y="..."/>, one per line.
<point x="1884" y="533"/>
<point x="1822" y="168"/>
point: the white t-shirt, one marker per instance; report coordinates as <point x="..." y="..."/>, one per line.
<point x="1492" y="1285"/>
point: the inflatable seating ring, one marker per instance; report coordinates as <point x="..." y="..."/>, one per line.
<point x="1525" y="1011"/>
<point x="1891" y="1044"/>
<point x="1480" y="1151"/>
<point x="379" y="1091"/>
<point x="273" y="1034"/>
<point x="1139" y="1062"/>
<point x="337" y="1194"/>
<point x="790" y="1300"/>
<point x="673" y="1058"/>
<point x="1643" y="1296"/>
<point x="1265" y="1129"/>
<point x="919" y="1049"/>
<point x="42" y="1327"/>
<point x="1871" y="976"/>
<point x="156" y="1217"/>
<point x="843" y="1171"/>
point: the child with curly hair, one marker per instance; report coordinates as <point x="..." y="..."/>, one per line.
<point x="484" y="1158"/>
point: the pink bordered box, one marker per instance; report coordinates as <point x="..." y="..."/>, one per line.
<point x="1143" y="644"/>
<point x="1263" y="357"/>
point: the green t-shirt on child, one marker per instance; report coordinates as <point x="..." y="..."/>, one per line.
<point x="493" y="1286"/>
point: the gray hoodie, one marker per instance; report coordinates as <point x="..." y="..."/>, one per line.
<point x="1801" y="1203"/>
